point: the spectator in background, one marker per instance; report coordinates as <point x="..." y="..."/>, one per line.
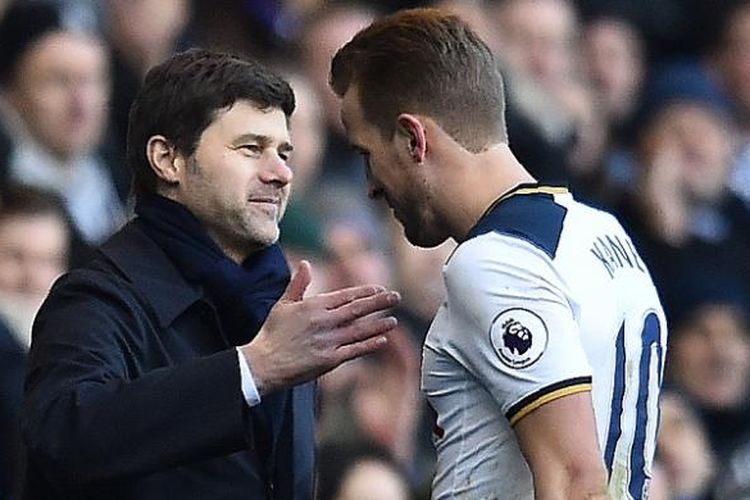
<point x="671" y="28"/>
<point x="475" y="14"/>
<point x="709" y="358"/>
<point x="55" y="89"/>
<point x="683" y="450"/>
<point x="355" y="250"/>
<point x="324" y="33"/>
<point x="658" y="488"/>
<point x="308" y="130"/>
<point x="359" y="472"/>
<point x="418" y="275"/>
<point x="35" y="245"/>
<point x="734" y="481"/>
<point x="384" y="399"/>
<point x="332" y="190"/>
<point x="613" y="59"/>
<point x="686" y="219"/>
<point x="731" y="58"/>
<point x="301" y="227"/>
<point x="141" y="35"/>
<point x="538" y="38"/>
<point x="376" y="398"/>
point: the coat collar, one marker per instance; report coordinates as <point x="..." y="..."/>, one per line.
<point x="151" y="272"/>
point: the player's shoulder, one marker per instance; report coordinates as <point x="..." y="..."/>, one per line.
<point x="518" y="238"/>
<point x="532" y="213"/>
<point x="528" y="216"/>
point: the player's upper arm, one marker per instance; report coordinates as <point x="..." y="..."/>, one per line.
<point x="558" y="440"/>
<point x="515" y="330"/>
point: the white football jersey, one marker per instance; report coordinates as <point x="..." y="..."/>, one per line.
<point x="545" y="298"/>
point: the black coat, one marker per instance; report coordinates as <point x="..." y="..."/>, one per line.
<point x="12" y="368"/>
<point x="134" y="392"/>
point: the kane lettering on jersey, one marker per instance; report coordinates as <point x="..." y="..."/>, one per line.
<point x="547" y="297"/>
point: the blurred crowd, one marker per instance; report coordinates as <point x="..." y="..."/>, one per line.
<point x="641" y="107"/>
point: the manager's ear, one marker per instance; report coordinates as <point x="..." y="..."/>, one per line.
<point x="165" y="161"/>
<point x="412" y="128"/>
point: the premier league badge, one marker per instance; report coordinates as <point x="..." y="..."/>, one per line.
<point x="519" y="337"/>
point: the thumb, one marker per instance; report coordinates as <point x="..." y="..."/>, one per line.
<point x="301" y="279"/>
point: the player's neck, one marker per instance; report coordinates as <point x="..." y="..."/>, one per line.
<point x="484" y="177"/>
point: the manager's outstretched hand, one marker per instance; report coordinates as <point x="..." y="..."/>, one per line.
<point x="306" y="337"/>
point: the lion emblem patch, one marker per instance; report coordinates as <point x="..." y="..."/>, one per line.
<point x="519" y="337"/>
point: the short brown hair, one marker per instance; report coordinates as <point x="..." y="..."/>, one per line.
<point x="429" y="62"/>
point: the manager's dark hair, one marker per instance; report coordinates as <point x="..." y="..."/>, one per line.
<point x="429" y="62"/>
<point x="181" y="97"/>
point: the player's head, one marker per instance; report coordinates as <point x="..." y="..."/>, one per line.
<point x="417" y="77"/>
<point x="427" y="62"/>
<point x="181" y="97"/>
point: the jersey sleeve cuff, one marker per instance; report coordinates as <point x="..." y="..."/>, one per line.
<point x="545" y="395"/>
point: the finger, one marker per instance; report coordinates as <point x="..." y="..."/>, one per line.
<point x="362" y="307"/>
<point x="338" y="298"/>
<point x="301" y="279"/>
<point x="361" y="348"/>
<point x="362" y="330"/>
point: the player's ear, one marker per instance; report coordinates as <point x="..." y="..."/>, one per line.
<point x="164" y="159"/>
<point x="413" y="131"/>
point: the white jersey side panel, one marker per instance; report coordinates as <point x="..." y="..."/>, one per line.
<point x="525" y="323"/>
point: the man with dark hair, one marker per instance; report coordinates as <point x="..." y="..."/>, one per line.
<point x="36" y="240"/>
<point x="544" y="362"/>
<point x="54" y="95"/>
<point x="178" y="363"/>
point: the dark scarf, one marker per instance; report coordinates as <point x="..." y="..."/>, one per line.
<point x="243" y="295"/>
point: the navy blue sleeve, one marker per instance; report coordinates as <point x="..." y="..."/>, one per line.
<point x="105" y="399"/>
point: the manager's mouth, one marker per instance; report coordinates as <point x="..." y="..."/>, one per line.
<point x="265" y="199"/>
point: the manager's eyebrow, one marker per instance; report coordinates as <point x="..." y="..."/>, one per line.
<point x="264" y="140"/>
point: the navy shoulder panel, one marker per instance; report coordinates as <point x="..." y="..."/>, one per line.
<point x="534" y="217"/>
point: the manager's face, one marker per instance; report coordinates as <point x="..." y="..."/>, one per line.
<point x="237" y="181"/>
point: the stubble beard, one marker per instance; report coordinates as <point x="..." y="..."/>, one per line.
<point x="419" y="228"/>
<point x="240" y="227"/>
<point x="251" y="231"/>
